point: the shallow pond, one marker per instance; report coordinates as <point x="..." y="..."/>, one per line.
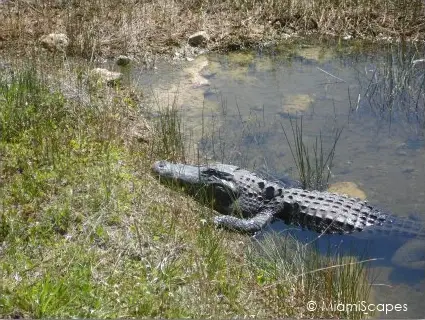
<point x="235" y="106"/>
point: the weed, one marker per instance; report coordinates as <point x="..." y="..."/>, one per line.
<point x="314" y="173"/>
<point x="170" y="143"/>
<point x="295" y="272"/>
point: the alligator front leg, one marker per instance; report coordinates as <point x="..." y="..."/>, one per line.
<point x="251" y="225"/>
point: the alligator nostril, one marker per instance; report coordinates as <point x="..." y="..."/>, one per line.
<point x="159" y="165"/>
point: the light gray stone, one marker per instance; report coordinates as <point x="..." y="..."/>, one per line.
<point x="55" y="42"/>
<point x="106" y="76"/>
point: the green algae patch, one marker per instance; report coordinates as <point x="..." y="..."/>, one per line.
<point x="318" y="54"/>
<point x="232" y="72"/>
<point x="241" y="58"/>
<point x="264" y="64"/>
<point x="297" y="104"/>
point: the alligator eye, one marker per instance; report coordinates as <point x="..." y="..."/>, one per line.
<point x="269" y="193"/>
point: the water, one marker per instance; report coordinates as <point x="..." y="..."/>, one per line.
<point x="377" y="97"/>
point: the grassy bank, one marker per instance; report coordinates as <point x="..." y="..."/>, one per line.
<point x="146" y="28"/>
<point x="87" y="231"/>
<point x="85" y="228"/>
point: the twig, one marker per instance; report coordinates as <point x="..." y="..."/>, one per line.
<point x="331" y="75"/>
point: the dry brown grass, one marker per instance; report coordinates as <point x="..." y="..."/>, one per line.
<point x="146" y="28"/>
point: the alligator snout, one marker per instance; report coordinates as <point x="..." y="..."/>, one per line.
<point x="176" y="171"/>
<point x="159" y="165"/>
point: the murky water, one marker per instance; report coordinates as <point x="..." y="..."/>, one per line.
<point x="379" y="100"/>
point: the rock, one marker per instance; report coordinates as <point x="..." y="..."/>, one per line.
<point x="411" y="255"/>
<point x="408" y="170"/>
<point x="188" y="52"/>
<point x="55" y="42"/>
<point x="123" y="60"/>
<point x="198" y="39"/>
<point x="401" y="153"/>
<point x="348" y="188"/>
<point x="106" y="76"/>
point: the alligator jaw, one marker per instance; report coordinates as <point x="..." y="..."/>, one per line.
<point x="181" y="173"/>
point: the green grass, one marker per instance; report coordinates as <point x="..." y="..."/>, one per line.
<point x="170" y="140"/>
<point x="296" y="273"/>
<point x="87" y="231"/>
<point x="314" y="170"/>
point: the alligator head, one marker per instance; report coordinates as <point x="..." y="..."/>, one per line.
<point x="213" y="182"/>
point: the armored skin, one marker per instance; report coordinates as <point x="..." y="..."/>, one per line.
<point x="247" y="203"/>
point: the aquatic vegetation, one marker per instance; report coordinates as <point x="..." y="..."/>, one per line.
<point x="279" y="259"/>
<point x="296" y="104"/>
<point x="314" y="170"/>
<point x="241" y="58"/>
<point x="319" y="54"/>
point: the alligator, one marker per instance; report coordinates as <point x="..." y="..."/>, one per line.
<point x="247" y="203"/>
